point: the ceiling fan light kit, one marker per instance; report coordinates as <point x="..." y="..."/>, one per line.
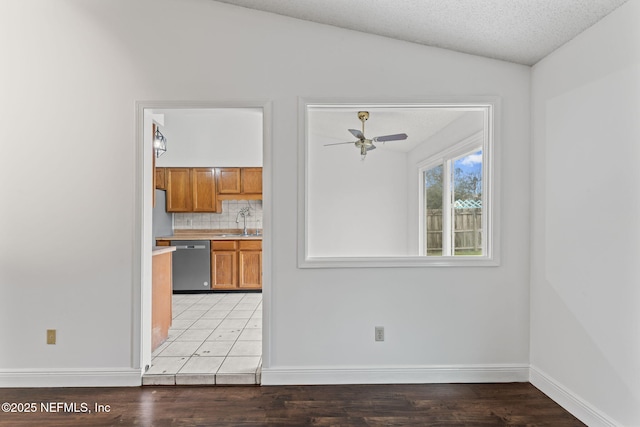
<point x="365" y="144"/>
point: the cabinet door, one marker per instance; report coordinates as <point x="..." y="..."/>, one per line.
<point x="228" y="180"/>
<point x="224" y="271"/>
<point x="251" y="180"/>
<point x="204" y="189"/>
<point x="179" y="190"/>
<point x="160" y="298"/>
<point x="160" y="179"/>
<point x="250" y="269"/>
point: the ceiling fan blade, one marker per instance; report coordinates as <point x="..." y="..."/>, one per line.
<point x="340" y="143"/>
<point x="358" y="134"/>
<point x="371" y="147"/>
<point x="385" y="138"/>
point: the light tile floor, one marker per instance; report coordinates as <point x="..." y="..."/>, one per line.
<point x="214" y="339"/>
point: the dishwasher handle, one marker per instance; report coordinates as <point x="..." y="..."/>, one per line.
<point x="182" y="247"/>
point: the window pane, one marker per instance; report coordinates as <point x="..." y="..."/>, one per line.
<point x="467" y="208"/>
<point x="433" y="188"/>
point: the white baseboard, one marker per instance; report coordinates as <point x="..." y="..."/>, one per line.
<point x="127" y="377"/>
<point x="116" y="377"/>
<point x="579" y="408"/>
<point x="396" y="375"/>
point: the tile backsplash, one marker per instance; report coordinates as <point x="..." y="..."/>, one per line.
<point x="224" y="220"/>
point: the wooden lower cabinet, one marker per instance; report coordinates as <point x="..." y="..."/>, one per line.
<point x="236" y="264"/>
<point x="250" y="264"/>
<point x="224" y="264"/>
<point x="161" y="290"/>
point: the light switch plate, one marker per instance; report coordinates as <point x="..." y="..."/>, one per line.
<point x="51" y="336"/>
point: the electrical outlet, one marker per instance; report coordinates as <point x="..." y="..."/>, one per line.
<point x="51" y="336"/>
<point x="379" y="333"/>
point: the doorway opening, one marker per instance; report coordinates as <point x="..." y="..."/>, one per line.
<point x="216" y="338"/>
<point x="216" y="335"/>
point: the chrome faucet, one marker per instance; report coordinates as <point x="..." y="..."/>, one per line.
<point x="244" y="212"/>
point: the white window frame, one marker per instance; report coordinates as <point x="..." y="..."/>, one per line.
<point x="490" y="105"/>
<point x="446" y="158"/>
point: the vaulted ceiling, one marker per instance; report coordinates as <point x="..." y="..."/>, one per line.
<point x="520" y="31"/>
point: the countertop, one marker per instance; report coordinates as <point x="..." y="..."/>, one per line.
<point x="210" y="235"/>
<point x="157" y="250"/>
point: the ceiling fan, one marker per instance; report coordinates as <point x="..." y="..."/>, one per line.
<point x="365" y="144"/>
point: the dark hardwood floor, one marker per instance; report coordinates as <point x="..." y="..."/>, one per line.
<point x="514" y="404"/>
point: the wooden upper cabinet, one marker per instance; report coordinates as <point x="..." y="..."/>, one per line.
<point x="203" y="189"/>
<point x="155" y="173"/>
<point x="179" y="190"/>
<point x="239" y="183"/>
<point x="228" y="180"/>
<point x="251" y="180"/>
<point x="191" y="189"/>
<point x="203" y="181"/>
<point x="160" y="179"/>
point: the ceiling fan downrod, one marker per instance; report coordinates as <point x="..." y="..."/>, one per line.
<point x="363" y="116"/>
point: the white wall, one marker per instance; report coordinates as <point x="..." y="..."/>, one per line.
<point x="585" y="300"/>
<point x="355" y="207"/>
<point x="84" y="63"/>
<point x="212" y="137"/>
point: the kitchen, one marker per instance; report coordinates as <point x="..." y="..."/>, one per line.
<point x="207" y="215"/>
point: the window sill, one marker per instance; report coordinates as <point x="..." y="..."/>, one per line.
<point x="395" y="262"/>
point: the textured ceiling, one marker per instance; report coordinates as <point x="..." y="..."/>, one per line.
<point x="520" y="31"/>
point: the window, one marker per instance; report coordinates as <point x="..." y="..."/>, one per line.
<point x="453" y="199"/>
<point x="425" y="201"/>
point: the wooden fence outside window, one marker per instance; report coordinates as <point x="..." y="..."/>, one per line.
<point x="467" y="230"/>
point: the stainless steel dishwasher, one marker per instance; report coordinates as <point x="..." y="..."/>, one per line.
<point x="191" y="265"/>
